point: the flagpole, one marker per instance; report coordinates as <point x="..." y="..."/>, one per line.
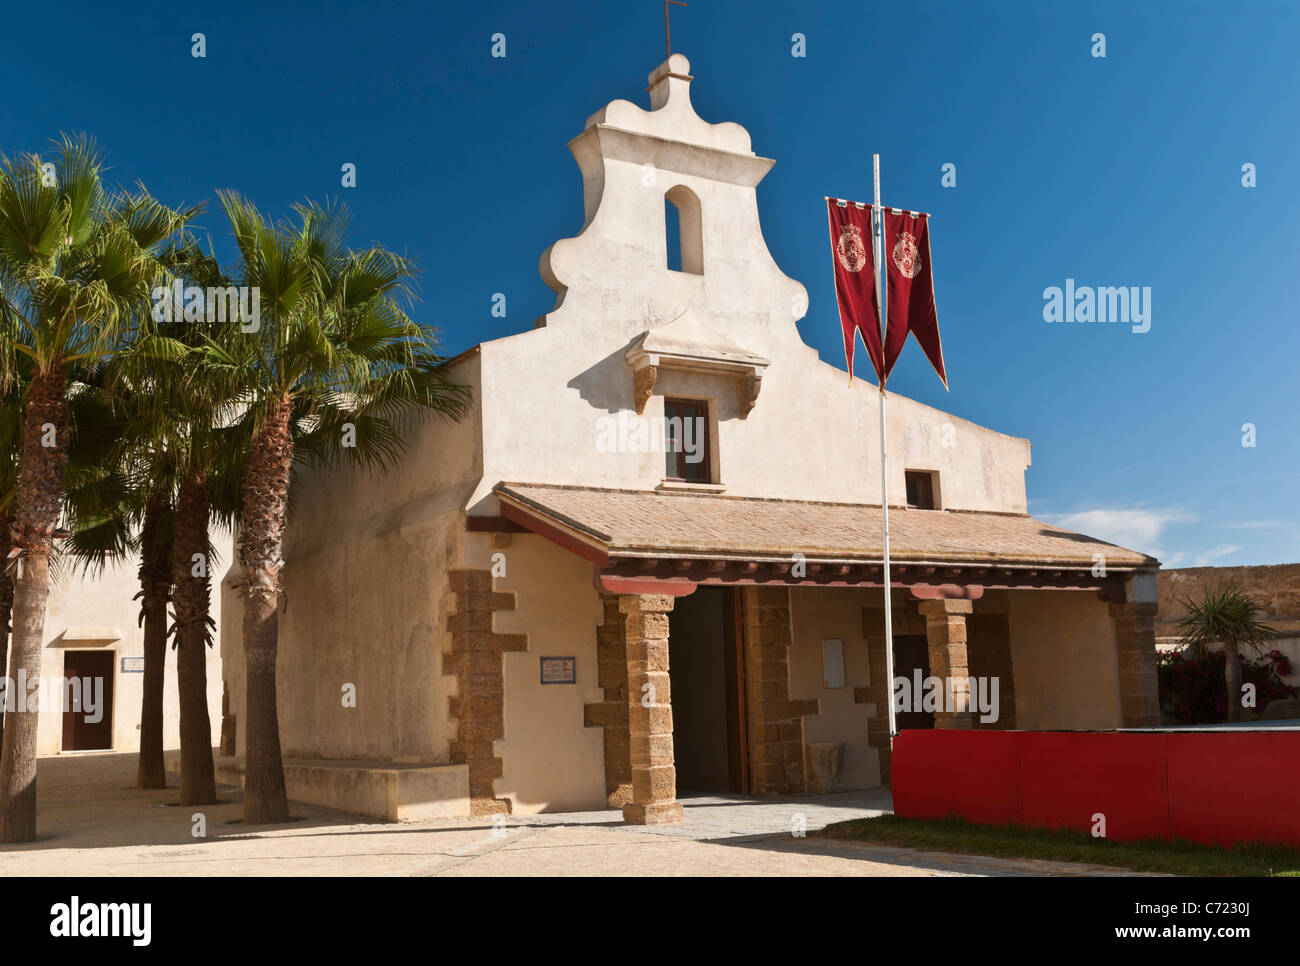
<point x="882" y="278"/>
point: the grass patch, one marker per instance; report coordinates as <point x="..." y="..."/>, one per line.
<point x="1014" y="842"/>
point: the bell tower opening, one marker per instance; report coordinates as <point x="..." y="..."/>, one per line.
<point x="683" y="231"/>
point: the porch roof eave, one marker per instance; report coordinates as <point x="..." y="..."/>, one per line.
<point x="668" y="565"/>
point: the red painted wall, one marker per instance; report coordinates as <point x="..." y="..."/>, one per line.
<point x="1210" y="787"/>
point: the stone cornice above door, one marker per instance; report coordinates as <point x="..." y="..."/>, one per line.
<point x="687" y="343"/>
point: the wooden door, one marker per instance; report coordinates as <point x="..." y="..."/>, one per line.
<point x="912" y="652"/>
<point x="733" y="623"/>
<point x="78" y="733"/>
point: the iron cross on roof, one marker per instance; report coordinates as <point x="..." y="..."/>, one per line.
<point x="668" y="41"/>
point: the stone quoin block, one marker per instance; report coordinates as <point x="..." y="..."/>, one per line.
<point x="650" y="714"/>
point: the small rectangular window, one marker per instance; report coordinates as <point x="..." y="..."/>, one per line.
<point x="920" y="489"/>
<point x="686" y="440"/>
<point x="833" y="663"/>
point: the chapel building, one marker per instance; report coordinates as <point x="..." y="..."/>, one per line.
<point x="539" y="609"/>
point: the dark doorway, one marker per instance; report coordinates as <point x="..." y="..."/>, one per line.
<point x="78" y="733"/>
<point x="706" y="668"/>
<point x="912" y="653"/>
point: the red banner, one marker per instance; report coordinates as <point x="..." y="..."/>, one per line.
<point x="855" y="280"/>
<point x="911" y="289"/>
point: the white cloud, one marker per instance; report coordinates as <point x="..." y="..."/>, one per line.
<point x="1253" y="525"/>
<point x="1208" y="557"/>
<point x="1135" y="529"/>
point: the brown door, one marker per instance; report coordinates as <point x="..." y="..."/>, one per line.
<point x="912" y="653"/>
<point x="733" y="622"/>
<point x="91" y="667"/>
<point x="708" y="697"/>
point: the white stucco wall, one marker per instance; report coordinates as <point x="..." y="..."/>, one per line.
<point x="809" y="435"/>
<point x="552" y="761"/>
<point x="106" y="600"/>
<point x="366" y="600"/>
<point x="827" y="613"/>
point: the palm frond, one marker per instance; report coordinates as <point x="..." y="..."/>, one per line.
<point x="1224" y="615"/>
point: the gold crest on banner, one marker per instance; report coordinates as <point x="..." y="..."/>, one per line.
<point x="852" y="253"/>
<point x="907" y="256"/>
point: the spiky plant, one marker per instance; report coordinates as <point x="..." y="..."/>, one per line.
<point x="1224" y="615"/>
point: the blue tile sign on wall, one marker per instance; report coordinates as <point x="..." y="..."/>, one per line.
<point x="559" y="670"/>
<point x="132" y="665"/>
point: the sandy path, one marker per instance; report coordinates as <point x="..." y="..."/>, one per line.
<point x="94" y="822"/>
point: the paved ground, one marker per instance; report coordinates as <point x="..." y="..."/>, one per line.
<point x="93" y="821"/>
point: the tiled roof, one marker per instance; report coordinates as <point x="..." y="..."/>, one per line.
<point x="643" y="523"/>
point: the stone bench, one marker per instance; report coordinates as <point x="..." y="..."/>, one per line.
<point x="388" y="790"/>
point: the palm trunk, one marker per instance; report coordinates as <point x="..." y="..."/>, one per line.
<point x="155" y="592"/>
<point x="190" y="599"/>
<point x="1232" y="675"/>
<point x="264" y="509"/>
<point x="6" y="603"/>
<point x="36" y="515"/>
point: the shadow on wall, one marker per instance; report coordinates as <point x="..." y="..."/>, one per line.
<point x="608" y="384"/>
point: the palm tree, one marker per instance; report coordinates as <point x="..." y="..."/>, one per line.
<point x="139" y="488"/>
<point x="200" y="405"/>
<point x="149" y="382"/>
<point x="76" y="262"/>
<point x="6" y="600"/>
<point x="173" y="452"/>
<point x="119" y="493"/>
<point x="154" y="574"/>
<point x="1228" y="616"/>
<point x="127" y="507"/>
<point x="95" y="491"/>
<point x="10" y="433"/>
<point x="333" y="345"/>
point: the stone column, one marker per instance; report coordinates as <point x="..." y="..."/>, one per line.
<point x="610" y="713"/>
<point x="775" y="720"/>
<point x="650" y="712"/>
<point x="476" y="660"/>
<point x="1135" y="652"/>
<point x="945" y="630"/>
<point x="880" y="691"/>
<point x="228" y="723"/>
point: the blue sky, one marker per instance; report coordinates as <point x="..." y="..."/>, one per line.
<point x="1125" y="170"/>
